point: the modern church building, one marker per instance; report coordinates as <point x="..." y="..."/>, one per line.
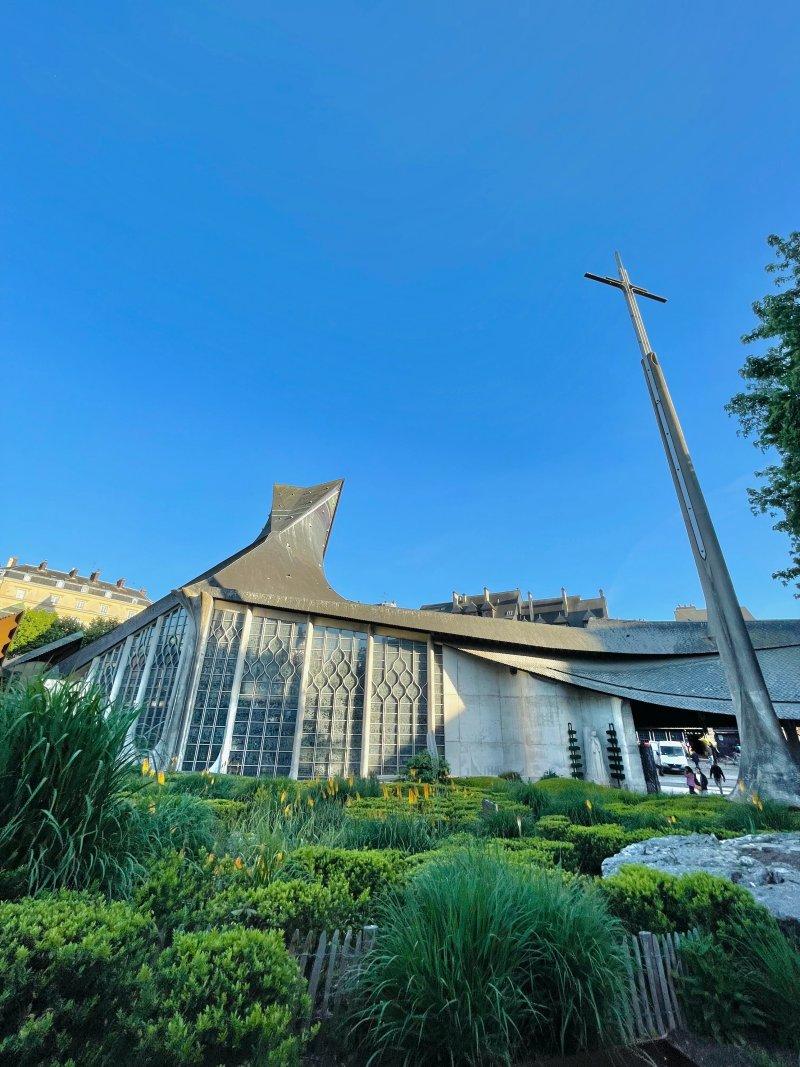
<point x="259" y="667"/>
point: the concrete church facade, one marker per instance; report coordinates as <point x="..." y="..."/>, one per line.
<point x="258" y="666"/>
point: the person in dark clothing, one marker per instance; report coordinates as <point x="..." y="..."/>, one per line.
<point x="702" y="781"/>
<point x="718" y="775"/>
<point x="691" y="781"/>
<point x="696" y="760"/>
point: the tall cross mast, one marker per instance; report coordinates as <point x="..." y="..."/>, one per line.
<point x="766" y="765"/>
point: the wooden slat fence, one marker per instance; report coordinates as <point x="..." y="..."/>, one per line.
<point x="652" y="961"/>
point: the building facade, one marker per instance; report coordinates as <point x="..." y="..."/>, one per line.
<point x="25" y="586"/>
<point x="258" y="667"/>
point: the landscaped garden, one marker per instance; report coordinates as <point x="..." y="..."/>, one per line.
<point x="152" y="917"/>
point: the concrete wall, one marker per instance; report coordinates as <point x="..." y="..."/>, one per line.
<point x="498" y="721"/>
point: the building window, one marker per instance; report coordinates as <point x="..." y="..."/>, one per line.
<point x="134" y="668"/>
<point x="84" y="588"/>
<point x="60" y="583"/>
<point x="107" y="665"/>
<point x="104" y="609"/>
<point x="266" y="710"/>
<point x="438" y="700"/>
<point x="80" y="605"/>
<point x="54" y="599"/>
<point x="161" y="680"/>
<point x="398" y="703"/>
<point x="107" y="594"/>
<point x="210" y="713"/>
<point x="334" y="704"/>
<point x="21" y="594"/>
<point x="26" y="577"/>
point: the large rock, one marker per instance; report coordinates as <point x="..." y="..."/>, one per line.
<point x="766" y="864"/>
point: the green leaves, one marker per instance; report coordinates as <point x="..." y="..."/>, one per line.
<point x="769" y="409"/>
<point x="65" y="820"/>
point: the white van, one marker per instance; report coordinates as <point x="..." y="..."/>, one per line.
<point x="669" y="756"/>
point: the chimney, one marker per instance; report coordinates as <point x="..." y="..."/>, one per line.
<point x="42" y="566"/>
<point x="74" y="572"/>
<point x="11" y="561"/>
<point x="120" y="583"/>
<point x="94" y="576"/>
<point x="486" y="594"/>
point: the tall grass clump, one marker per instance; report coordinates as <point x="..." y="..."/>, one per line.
<point x="476" y="961"/>
<point x="408" y="833"/>
<point x="64" y="819"/>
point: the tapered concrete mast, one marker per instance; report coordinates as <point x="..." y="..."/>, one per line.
<point x="766" y="767"/>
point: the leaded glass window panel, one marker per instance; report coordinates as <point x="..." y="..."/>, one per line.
<point x="210" y="712"/>
<point x="161" y="680"/>
<point x="334" y="704"/>
<point x="266" y="710"/>
<point x="134" y="668"/>
<point x="106" y="672"/>
<point x="438" y="699"/>
<point x="398" y="703"/>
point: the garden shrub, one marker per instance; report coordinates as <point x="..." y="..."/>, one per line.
<point x="294" y="904"/>
<point x="553" y="827"/>
<point x="539" y="851"/>
<point x="230" y="996"/>
<point x="646" y="899"/>
<point x="65" y="818"/>
<point x="70" y="964"/>
<point x="427" y="768"/>
<point x="230" y="813"/>
<point x="216" y="786"/>
<point x="476" y="960"/>
<point x="179" y="885"/>
<point x="369" y="871"/>
<point x="529" y="794"/>
<point x="593" y="844"/>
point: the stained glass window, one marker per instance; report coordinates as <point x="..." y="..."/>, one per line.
<point x="134" y="668"/>
<point x="398" y="703"/>
<point x="438" y="699"/>
<point x="210" y="712"/>
<point x="266" y="711"/>
<point x="161" y="679"/>
<point x="334" y="704"/>
<point x="106" y="669"/>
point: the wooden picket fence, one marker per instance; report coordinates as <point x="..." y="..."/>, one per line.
<point x="652" y="962"/>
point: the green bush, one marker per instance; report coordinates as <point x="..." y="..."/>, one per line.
<point x="230" y="813"/>
<point x="216" y="786"/>
<point x="70" y="965"/>
<point x="540" y="852"/>
<point x="553" y="827"/>
<point x="178" y="887"/>
<point x="294" y="904"/>
<point x="229" y="996"/>
<point x="427" y="768"/>
<point x="593" y="844"/>
<point x="65" y="821"/>
<point x="529" y="794"/>
<point x="369" y="871"/>
<point x="477" y="960"/>
<point x="645" y="899"/>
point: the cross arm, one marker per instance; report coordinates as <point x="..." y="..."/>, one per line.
<point x="617" y="284"/>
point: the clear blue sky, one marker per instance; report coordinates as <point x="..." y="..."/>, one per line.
<point x="255" y="242"/>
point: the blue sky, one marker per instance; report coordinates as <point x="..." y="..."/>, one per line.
<point x="253" y="242"/>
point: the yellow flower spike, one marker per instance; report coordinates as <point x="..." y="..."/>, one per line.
<point x="589" y="804"/>
<point x="238" y="863"/>
<point x="283" y="797"/>
<point x="310" y="802"/>
<point x="145" y="765"/>
<point x="152" y="809"/>
<point x="287" y="810"/>
<point x="161" y="778"/>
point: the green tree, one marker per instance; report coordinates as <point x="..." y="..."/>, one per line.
<point x="769" y="409"/>
<point x="39" y="627"/>
<point x="98" y="627"/>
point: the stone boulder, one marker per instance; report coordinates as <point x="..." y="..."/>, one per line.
<point x="768" y="865"/>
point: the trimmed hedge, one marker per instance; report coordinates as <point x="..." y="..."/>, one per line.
<point x="291" y="905"/>
<point x="70" y="967"/>
<point x="369" y="871"/>
<point x="224" y="996"/>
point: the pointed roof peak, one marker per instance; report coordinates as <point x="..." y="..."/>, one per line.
<point x="287" y="556"/>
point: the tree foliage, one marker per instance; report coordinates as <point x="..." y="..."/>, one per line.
<point x="769" y="409"/>
<point x="39" y="627"/>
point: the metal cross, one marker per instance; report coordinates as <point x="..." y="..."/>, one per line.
<point x="631" y="292"/>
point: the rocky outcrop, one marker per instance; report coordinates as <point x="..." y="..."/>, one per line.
<point x="766" y="864"/>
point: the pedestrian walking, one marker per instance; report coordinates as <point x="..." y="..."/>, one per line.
<point x="718" y="775"/>
<point x="691" y="781"/>
<point x="696" y="759"/>
<point x="702" y="782"/>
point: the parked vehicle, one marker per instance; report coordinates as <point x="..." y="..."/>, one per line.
<point x="670" y="756"/>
